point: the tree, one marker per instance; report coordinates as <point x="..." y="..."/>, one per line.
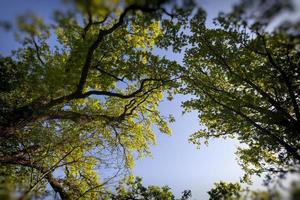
<point x="88" y="102"/>
<point x="246" y="86"/>
<point x="295" y="191"/>
<point x="225" y="191"/>
<point x="135" y="190"/>
<point x="232" y="191"/>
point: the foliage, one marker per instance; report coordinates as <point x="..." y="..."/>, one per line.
<point x="234" y="191"/>
<point x="295" y="191"/>
<point x="225" y="191"/>
<point x="134" y="190"/>
<point x="88" y="102"/>
<point x="264" y="195"/>
<point x="246" y="86"/>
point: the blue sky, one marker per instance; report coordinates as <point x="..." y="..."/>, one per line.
<point x="175" y="162"/>
<point x="180" y="165"/>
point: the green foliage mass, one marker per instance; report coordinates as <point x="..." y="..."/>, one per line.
<point x="245" y="82"/>
<point x="234" y="191"/>
<point x="133" y="189"/>
<point x="225" y="191"/>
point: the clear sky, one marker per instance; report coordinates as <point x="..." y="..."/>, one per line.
<point x="175" y="162"/>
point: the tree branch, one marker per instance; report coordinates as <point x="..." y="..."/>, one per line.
<point x="109" y="74"/>
<point x="102" y="33"/>
<point x="268" y="97"/>
<point x="283" y="75"/>
<point x="37" y="49"/>
<point x="21" y="160"/>
<point x="280" y="141"/>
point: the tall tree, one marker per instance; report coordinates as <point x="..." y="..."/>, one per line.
<point x="245" y="80"/>
<point x="88" y="102"/>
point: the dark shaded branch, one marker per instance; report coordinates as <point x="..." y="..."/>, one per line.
<point x="168" y="13"/>
<point x="283" y="75"/>
<point x="91" y="22"/>
<point x="37" y="49"/>
<point x="292" y="151"/>
<point x="268" y="97"/>
<point x="109" y="74"/>
<point x="101" y="35"/>
<point x="119" y="95"/>
<point x="102" y="21"/>
<point x="247" y="104"/>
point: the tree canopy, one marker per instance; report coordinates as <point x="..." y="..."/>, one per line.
<point x="135" y="190"/>
<point x="234" y="191"/>
<point x="76" y="113"/>
<point x="87" y="103"/>
<point x="245" y="80"/>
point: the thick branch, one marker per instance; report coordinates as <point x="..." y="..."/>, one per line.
<point x="101" y="35"/>
<point x="24" y="115"/>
